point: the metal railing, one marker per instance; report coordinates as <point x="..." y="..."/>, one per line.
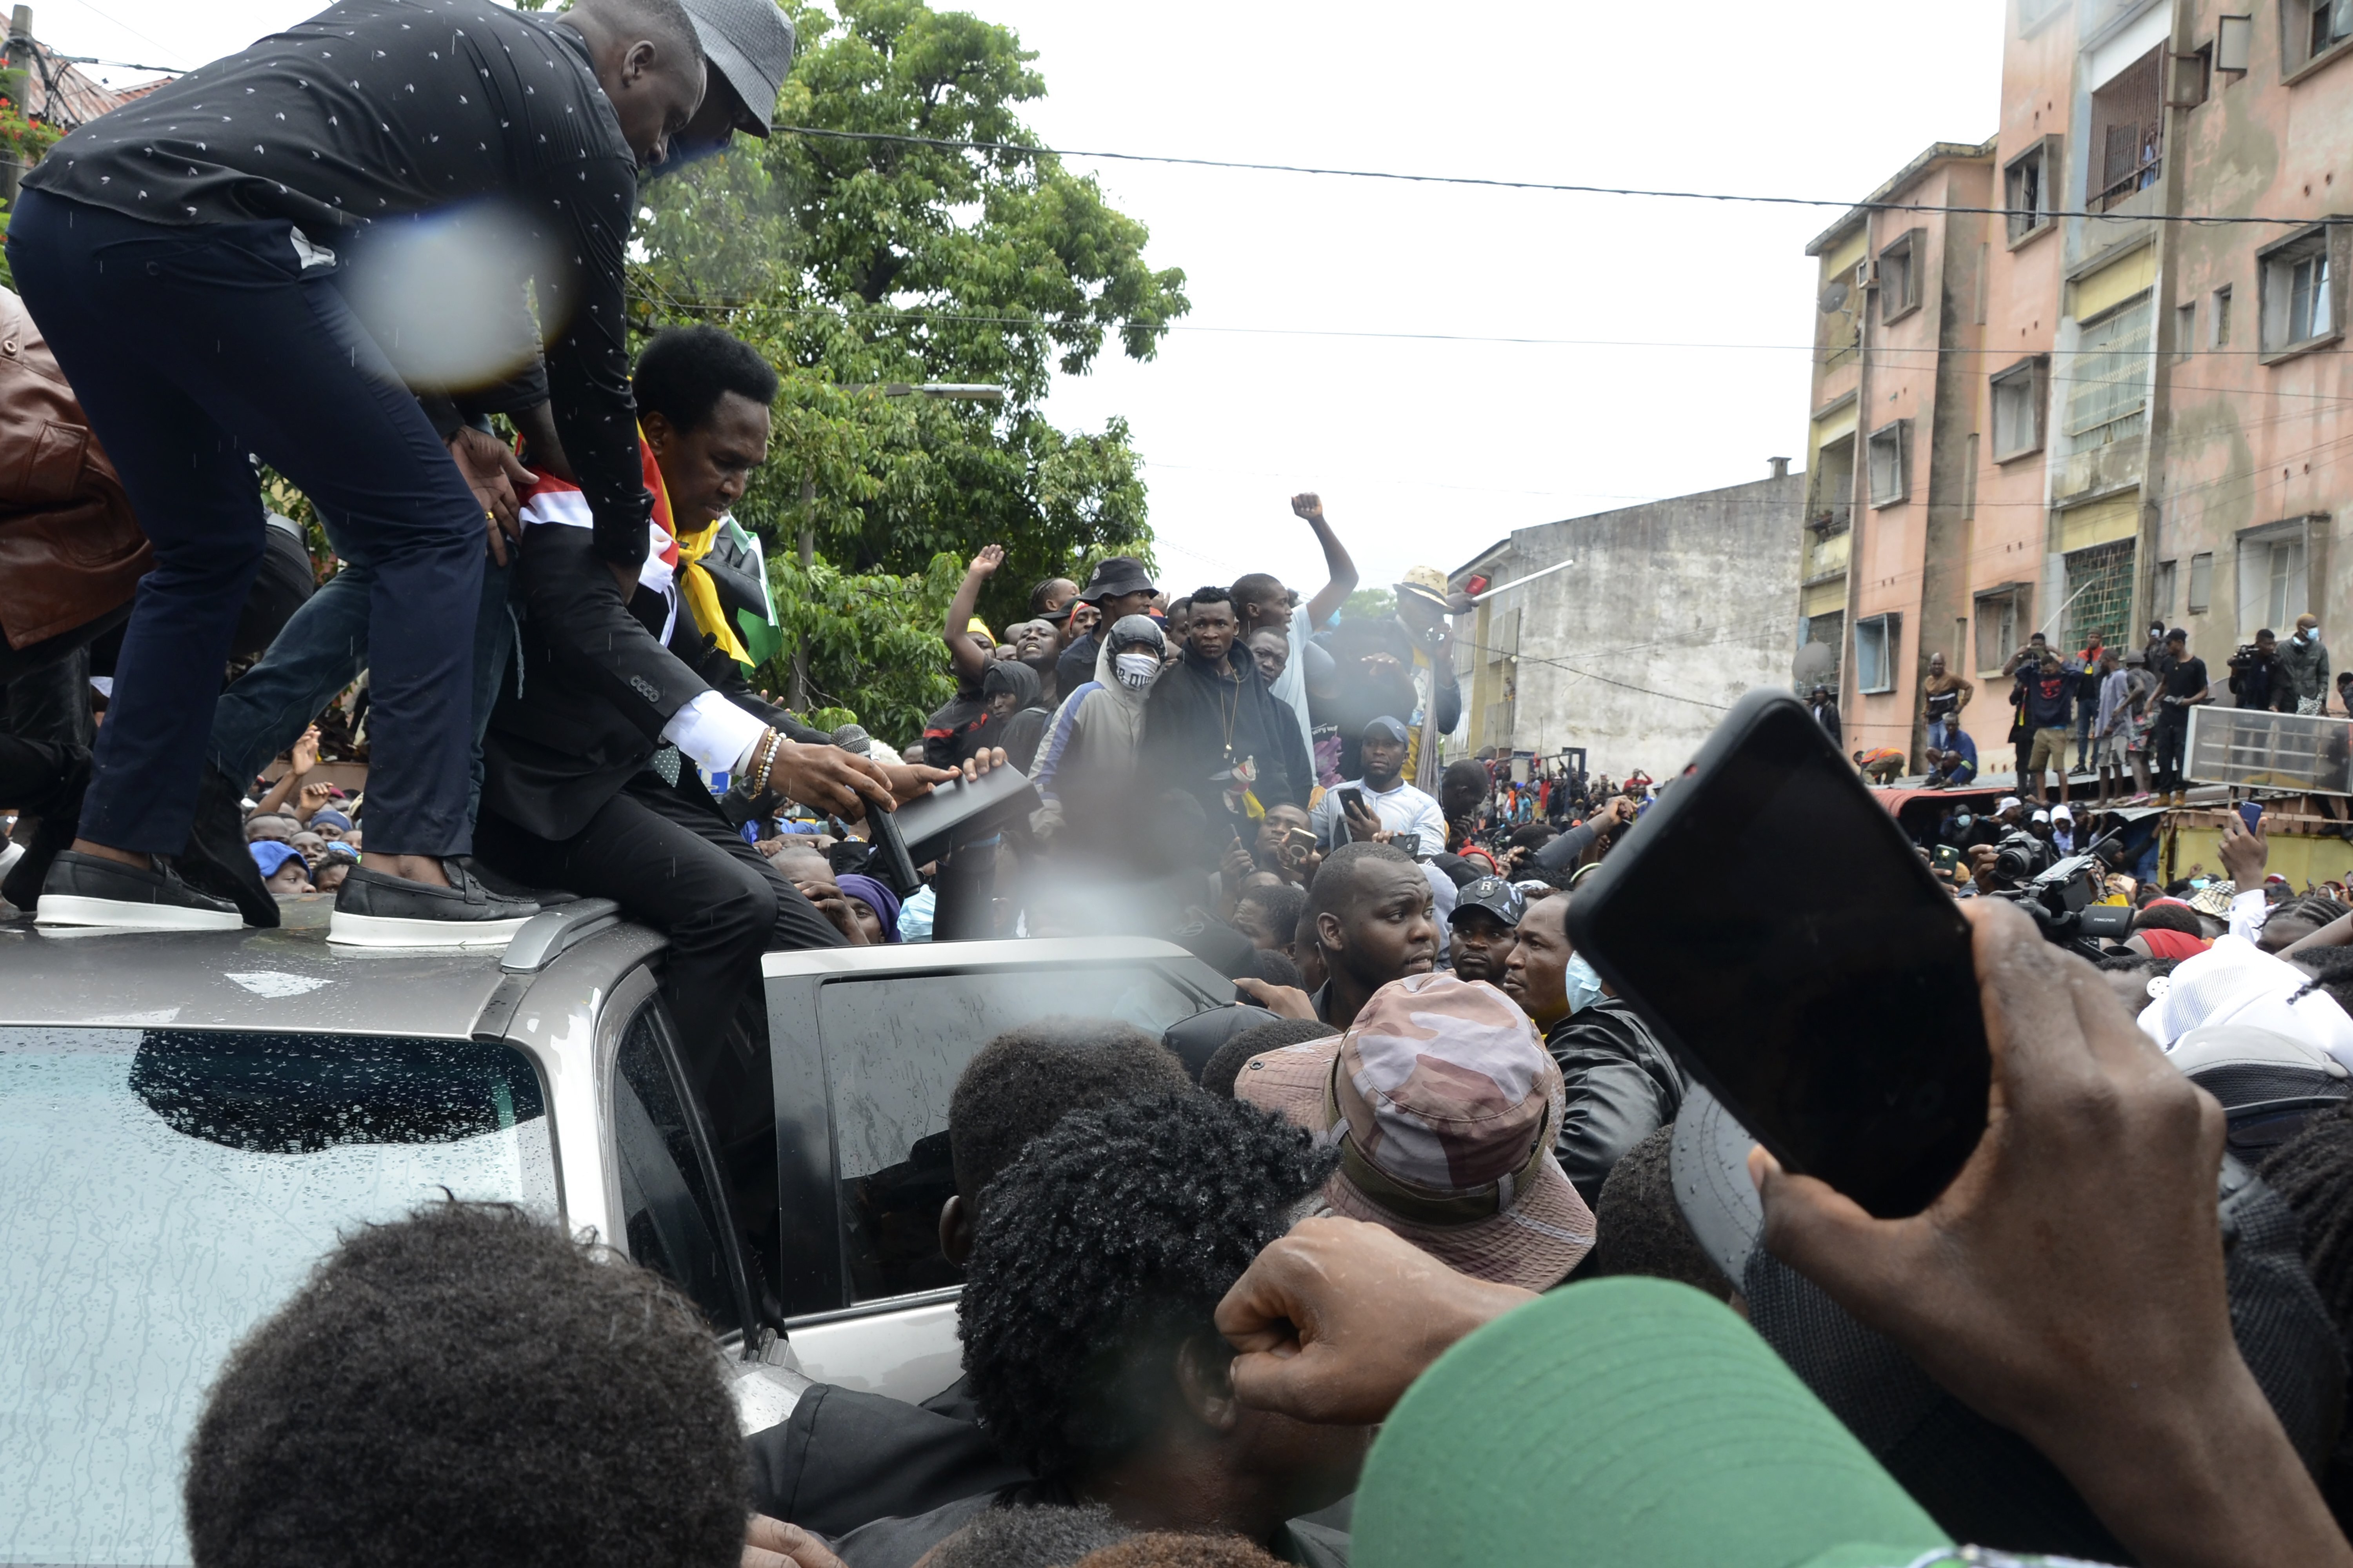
<point x="2131" y="185"/>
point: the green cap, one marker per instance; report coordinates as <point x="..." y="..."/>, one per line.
<point x="1621" y="1421"/>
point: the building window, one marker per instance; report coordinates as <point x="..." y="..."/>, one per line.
<point x="1828" y="631"/>
<point x="1996" y="629"/>
<point x="2272" y="586"/>
<point x="2185" y="330"/>
<point x="2312" y="28"/>
<point x="2026" y="189"/>
<point x="2018" y="397"/>
<point x="1875" y="647"/>
<point x="1832" y="482"/>
<point x="2218" y="320"/>
<point x="2201" y="583"/>
<point x="2099" y="593"/>
<point x="2110" y="393"/>
<point x="2161" y="592"/>
<point x="1889" y="455"/>
<point x="1900" y="265"/>
<point x="2298" y="291"/>
<point x="2128" y="134"/>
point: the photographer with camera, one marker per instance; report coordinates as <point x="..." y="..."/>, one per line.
<point x="2258" y="679"/>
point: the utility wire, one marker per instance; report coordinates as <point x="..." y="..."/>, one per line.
<point x="1025" y="150"/>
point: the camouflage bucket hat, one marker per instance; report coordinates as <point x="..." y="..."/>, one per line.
<point x="1444" y="1106"/>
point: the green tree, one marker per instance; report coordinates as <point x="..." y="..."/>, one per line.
<point x="859" y="264"/>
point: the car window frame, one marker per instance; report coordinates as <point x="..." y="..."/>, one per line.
<point x="814" y="1286"/>
<point x="638" y="995"/>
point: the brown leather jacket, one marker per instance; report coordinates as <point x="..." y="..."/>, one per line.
<point x="70" y="549"/>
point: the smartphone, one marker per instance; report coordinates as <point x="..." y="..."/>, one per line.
<point x="1408" y="842"/>
<point x="2250" y="811"/>
<point x="1353" y="799"/>
<point x="1947" y="858"/>
<point x="1298" y="842"/>
<point x="1832" y="1003"/>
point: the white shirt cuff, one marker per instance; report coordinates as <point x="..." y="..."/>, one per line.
<point x="2247" y="913"/>
<point x="713" y="732"/>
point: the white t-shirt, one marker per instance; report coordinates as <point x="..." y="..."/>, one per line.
<point x="1290" y="688"/>
<point x="1404" y="809"/>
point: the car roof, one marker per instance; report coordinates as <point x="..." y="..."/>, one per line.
<point x="1022" y="953"/>
<point x="288" y="978"/>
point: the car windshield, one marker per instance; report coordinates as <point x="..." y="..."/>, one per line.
<point x="160" y="1192"/>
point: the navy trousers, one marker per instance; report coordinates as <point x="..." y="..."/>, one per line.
<point x="192" y="352"/>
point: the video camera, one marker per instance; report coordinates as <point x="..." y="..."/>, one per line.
<point x="2063" y="897"/>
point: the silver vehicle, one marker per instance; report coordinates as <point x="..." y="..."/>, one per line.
<point x="188" y="1120"/>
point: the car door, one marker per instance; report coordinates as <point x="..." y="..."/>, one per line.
<point x="866" y="1046"/>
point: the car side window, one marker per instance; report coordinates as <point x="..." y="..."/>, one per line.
<point x="671" y="1221"/>
<point x="894" y="1048"/>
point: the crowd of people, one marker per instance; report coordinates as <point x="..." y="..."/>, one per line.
<point x="2127" y="713"/>
<point x="1437" y="1253"/>
<point x="1345" y="1298"/>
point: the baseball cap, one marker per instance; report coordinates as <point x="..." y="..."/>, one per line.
<point x="1626" y="1420"/>
<point x="1389" y="725"/>
<point x="1444" y="1104"/>
<point x="270" y="854"/>
<point x="750" y="43"/>
<point x="1115" y="575"/>
<point x="2005" y="803"/>
<point x="1499" y="898"/>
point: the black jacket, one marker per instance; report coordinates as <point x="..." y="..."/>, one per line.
<point x="584" y="702"/>
<point x="1197" y="706"/>
<point x="844" y="1459"/>
<point x="1623" y="1087"/>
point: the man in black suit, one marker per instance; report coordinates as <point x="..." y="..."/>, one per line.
<point x="620" y="694"/>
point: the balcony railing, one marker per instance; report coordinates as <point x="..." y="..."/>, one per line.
<point x="2131" y="185"/>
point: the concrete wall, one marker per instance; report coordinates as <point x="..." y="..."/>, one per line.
<point x="1670" y="611"/>
<point x="2253" y="449"/>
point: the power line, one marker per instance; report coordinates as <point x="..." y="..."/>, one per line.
<point x="1026" y="150"/>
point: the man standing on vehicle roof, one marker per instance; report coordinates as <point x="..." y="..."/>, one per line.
<point x="748" y="46"/>
<point x="226" y="203"/>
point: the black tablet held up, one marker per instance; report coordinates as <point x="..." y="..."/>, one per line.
<point x="1771" y="921"/>
<point x="958" y="812"/>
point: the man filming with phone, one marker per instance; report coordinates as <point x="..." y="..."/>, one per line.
<point x="1286" y="843"/>
<point x="1380" y="807"/>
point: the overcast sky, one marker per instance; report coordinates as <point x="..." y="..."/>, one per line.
<point x="1686" y="321"/>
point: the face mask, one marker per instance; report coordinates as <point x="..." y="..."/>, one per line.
<point x="2304" y="634"/>
<point x="1582" y="983"/>
<point x="1136" y="670"/>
